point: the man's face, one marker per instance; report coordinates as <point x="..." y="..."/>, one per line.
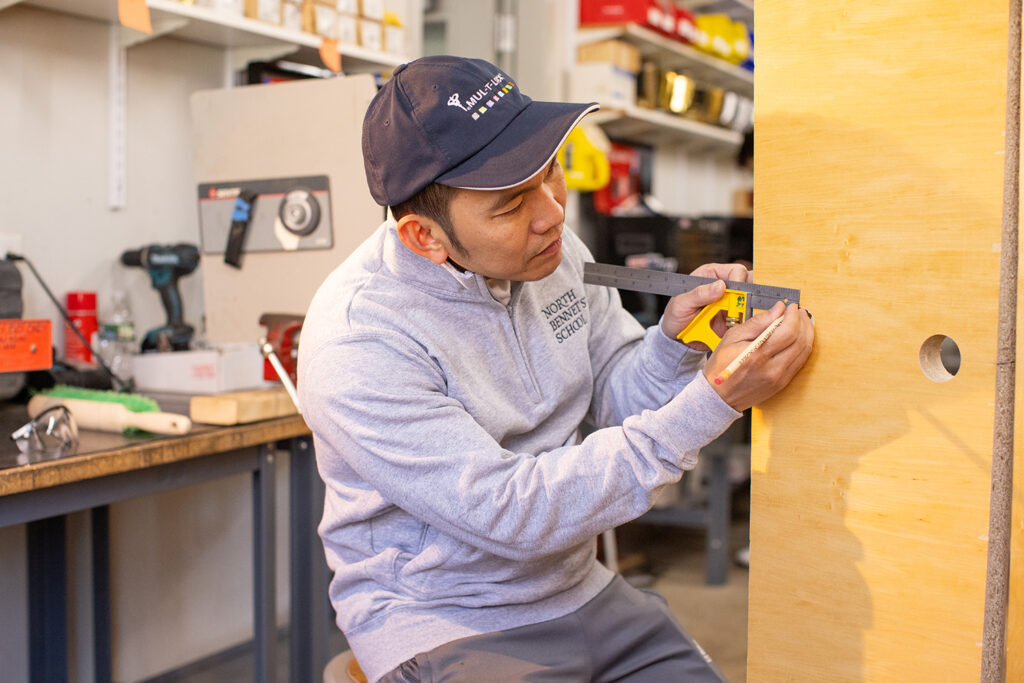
<point x="513" y="234"/>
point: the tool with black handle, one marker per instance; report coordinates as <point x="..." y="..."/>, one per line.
<point x="241" y="217"/>
<point x="739" y="300"/>
<point x="165" y="265"/>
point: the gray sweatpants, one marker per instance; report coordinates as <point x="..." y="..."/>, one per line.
<point x="623" y="634"/>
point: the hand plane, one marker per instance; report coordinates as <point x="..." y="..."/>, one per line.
<point x="739" y="300"/>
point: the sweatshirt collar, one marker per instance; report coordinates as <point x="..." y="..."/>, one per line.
<point x="421" y="272"/>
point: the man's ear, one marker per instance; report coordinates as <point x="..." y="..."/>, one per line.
<point x="418" y="233"/>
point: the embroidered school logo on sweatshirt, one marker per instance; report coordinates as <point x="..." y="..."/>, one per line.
<point x="565" y="315"/>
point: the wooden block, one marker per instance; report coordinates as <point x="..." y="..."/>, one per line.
<point x="870" y="485"/>
<point x="241" y="407"/>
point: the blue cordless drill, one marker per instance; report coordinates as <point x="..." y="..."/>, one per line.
<point x="166" y="264"/>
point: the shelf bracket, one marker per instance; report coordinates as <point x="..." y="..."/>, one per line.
<point x="117" y="104"/>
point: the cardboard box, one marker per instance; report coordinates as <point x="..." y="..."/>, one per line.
<point x="291" y="16"/>
<point x="236" y="7"/>
<point x="348" y="29"/>
<point x="372" y="9"/>
<point x="617" y="52"/>
<point x="320" y="19"/>
<point x="229" y="367"/>
<point x="264" y="10"/>
<point x="394" y="39"/>
<point x="602" y="82"/>
<point x="371" y="34"/>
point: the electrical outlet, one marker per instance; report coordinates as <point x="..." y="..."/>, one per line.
<point x="10" y="242"/>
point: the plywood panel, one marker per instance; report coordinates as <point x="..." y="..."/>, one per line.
<point x="1015" y="631"/>
<point x="878" y="182"/>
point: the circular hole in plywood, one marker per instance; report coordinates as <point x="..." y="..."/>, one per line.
<point x="939" y="358"/>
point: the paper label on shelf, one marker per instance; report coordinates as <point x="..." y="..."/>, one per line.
<point x="330" y="55"/>
<point x="134" y="14"/>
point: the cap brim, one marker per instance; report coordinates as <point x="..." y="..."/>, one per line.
<point x="521" y="150"/>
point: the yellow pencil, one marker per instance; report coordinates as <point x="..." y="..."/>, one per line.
<point x="749" y="351"/>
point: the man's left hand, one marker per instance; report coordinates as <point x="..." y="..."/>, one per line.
<point x="682" y="308"/>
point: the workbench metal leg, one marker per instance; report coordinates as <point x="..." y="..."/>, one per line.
<point x="309" y="619"/>
<point x="717" y="539"/>
<point x="47" y="600"/>
<point x="264" y="599"/>
<point x="102" y="662"/>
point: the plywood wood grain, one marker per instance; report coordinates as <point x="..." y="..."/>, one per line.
<point x="878" y="178"/>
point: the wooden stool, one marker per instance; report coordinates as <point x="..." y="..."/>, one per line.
<point x="343" y="668"/>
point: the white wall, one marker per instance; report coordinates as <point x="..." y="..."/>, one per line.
<point x="697" y="185"/>
<point x="54" y="170"/>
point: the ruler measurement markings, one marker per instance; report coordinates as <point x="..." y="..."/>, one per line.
<point x="670" y="284"/>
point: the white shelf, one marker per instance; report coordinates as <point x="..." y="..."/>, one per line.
<point x="673" y="54"/>
<point x="251" y="38"/>
<point x="653" y="127"/>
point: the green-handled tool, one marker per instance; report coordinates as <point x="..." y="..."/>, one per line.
<point x="739" y="300"/>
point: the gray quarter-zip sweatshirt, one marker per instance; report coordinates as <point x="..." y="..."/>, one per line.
<point x="461" y="498"/>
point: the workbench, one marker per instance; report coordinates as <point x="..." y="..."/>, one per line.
<point x="109" y="468"/>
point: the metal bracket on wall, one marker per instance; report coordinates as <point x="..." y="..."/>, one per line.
<point x="120" y="38"/>
<point x="117" y="153"/>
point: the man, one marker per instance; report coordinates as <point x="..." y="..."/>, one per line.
<point x="445" y="369"/>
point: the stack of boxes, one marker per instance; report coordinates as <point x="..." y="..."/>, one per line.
<point x="614" y="73"/>
<point x="366" y="23"/>
<point x="715" y="34"/>
<point x="606" y="71"/>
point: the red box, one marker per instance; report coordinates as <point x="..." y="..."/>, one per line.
<point x="604" y="12"/>
<point x="625" y="186"/>
<point x="661" y="16"/>
<point x="686" y="25"/>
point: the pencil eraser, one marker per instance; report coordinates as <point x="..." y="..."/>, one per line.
<point x="718" y="380"/>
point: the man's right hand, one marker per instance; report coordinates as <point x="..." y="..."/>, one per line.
<point x="772" y="366"/>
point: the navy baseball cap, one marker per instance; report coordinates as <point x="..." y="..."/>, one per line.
<point x="459" y="122"/>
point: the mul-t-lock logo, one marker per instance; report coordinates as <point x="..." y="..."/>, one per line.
<point x="488" y="95"/>
<point x="565" y="315"/>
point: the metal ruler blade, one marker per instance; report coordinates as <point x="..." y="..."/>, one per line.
<point x="670" y="284"/>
